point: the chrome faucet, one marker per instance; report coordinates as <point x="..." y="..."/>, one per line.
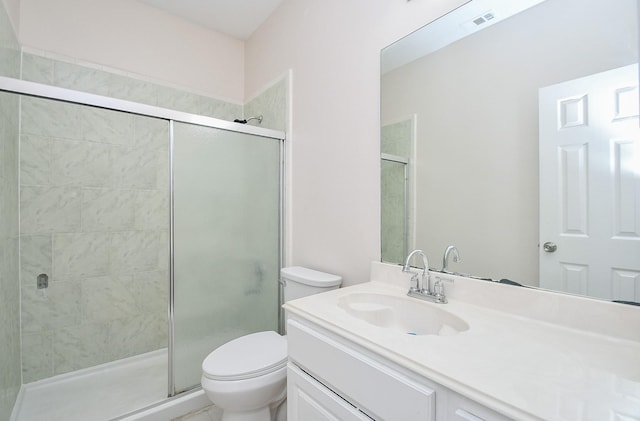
<point x="422" y="289"/>
<point x="445" y="260"/>
<point x="425" y="272"/>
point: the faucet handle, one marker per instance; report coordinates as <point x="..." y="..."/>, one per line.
<point x="438" y="287"/>
<point x="414" y="283"/>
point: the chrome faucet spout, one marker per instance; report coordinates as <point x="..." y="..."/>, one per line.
<point x="420" y="286"/>
<point x="450" y="250"/>
<point x="423" y="289"/>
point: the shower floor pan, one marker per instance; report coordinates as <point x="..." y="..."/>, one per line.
<point x="97" y="393"/>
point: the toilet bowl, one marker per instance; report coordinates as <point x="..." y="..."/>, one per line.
<point x="247" y="376"/>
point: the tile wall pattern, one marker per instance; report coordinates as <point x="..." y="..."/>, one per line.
<point x="10" y="378"/>
<point x="94" y="209"/>
<point x="36" y="68"/>
<point x="272" y="104"/>
<point x="395" y="140"/>
<point x="94" y="218"/>
<point x="9" y="47"/>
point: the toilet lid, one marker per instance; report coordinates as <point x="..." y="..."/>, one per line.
<point x="246" y="357"/>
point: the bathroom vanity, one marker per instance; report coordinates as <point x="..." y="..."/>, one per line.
<point x="494" y="352"/>
<point x="330" y="377"/>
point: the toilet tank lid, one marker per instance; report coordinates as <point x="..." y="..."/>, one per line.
<point x="310" y="277"/>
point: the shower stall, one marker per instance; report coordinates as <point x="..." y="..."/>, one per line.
<point x="143" y="238"/>
<point x="394" y="215"/>
<point x="397" y="185"/>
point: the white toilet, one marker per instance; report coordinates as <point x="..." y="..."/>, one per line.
<point x="247" y="377"/>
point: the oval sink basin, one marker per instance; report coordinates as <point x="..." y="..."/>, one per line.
<point x="404" y="315"/>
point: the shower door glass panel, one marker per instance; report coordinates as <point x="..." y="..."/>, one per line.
<point x="394" y="211"/>
<point x="226" y="241"/>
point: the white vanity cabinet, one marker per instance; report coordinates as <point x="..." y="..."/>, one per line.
<point x="459" y="408"/>
<point x="330" y="378"/>
<point x="310" y="400"/>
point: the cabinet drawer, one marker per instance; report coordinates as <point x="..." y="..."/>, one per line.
<point x="309" y="400"/>
<point x="376" y="389"/>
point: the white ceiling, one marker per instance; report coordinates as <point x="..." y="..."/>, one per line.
<point x="237" y="18"/>
<point x="451" y="27"/>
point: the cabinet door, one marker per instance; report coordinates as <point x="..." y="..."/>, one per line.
<point x="463" y="409"/>
<point x="309" y="400"/>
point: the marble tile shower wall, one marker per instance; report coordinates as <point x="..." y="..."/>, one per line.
<point x="10" y="378"/>
<point x="9" y="47"/>
<point x="94" y="209"/>
<point x="36" y="68"/>
<point x="272" y="105"/>
<point x="94" y="217"/>
<point x="395" y="140"/>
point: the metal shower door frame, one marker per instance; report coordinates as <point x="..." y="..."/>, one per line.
<point x="38" y="90"/>
<point x="405" y="167"/>
<point x="281" y="224"/>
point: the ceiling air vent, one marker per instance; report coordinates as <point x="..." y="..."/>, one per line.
<point x="484" y="18"/>
<point x="479" y="22"/>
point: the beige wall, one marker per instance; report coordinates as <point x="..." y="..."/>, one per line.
<point x="133" y="37"/>
<point x="333" y="49"/>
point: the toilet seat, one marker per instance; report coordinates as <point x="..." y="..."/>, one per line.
<point x="247" y="357"/>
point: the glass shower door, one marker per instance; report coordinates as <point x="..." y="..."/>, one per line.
<point x="394" y="212"/>
<point x="397" y="147"/>
<point x="226" y="212"/>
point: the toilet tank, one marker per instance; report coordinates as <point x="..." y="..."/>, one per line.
<point x="299" y="282"/>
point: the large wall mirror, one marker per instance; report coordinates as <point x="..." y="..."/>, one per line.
<point x="510" y="130"/>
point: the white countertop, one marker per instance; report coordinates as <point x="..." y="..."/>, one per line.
<point x="522" y="366"/>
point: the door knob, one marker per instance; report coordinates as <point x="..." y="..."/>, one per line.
<point x="549" y="247"/>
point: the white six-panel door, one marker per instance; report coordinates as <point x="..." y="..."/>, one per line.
<point x="590" y="186"/>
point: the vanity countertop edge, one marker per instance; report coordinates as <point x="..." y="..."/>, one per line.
<point x="523" y="366"/>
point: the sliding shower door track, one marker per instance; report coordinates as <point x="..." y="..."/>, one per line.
<point x="39" y="90"/>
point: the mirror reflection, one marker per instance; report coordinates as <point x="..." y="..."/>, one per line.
<point x="514" y="135"/>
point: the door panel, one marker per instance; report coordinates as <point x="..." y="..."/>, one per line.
<point x="590" y="185"/>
